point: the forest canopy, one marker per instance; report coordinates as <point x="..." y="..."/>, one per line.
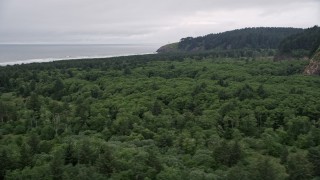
<point x="283" y="43"/>
<point x="200" y="116"/>
<point x="246" y="38"/>
<point x="301" y="44"/>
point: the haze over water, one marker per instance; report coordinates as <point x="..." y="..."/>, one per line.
<point x="27" y="53"/>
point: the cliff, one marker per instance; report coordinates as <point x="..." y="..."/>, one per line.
<point x="314" y="66"/>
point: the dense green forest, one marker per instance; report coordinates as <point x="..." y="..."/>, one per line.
<point x="172" y="116"/>
<point x="286" y="43"/>
<point x="247" y="38"/>
<point x="301" y="44"/>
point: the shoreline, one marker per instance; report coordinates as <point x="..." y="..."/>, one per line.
<point x="46" y="60"/>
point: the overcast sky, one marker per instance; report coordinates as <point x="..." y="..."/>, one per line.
<point x="144" y="21"/>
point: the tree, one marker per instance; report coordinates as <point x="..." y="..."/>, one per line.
<point x="33" y="142"/>
<point x="105" y="162"/>
<point x="56" y="166"/>
<point x="33" y="102"/>
<point x="228" y="154"/>
<point x="154" y="162"/>
<point x="5" y="164"/>
<point x="262" y="92"/>
<point x="85" y="153"/>
<point x="266" y="168"/>
<point x="171" y="173"/>
<point x="299" y="167"/>
<point x="235" y="153"/>
<point x="314" y="157"/>
<point x="156" y="108"/>
<point x="238" y="172"/>
<point x="81" y="172"/>
<point x="70" y="154"/>
<point x="246" y="92"/>
<point x="37" y="172"/>
<point x="7" y="112"/>
<point x="47" y="132"/>
<point x="297" y="126"/>
<point x="58" y="89"/>
<point x="223" y="95"/>
<point x="25" y="155"/>
<point x="248" y="125"/>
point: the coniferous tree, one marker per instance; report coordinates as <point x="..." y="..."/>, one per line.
<point x="105" y="162"/>
<point x="6" y="163"/>
<point x="299" y="167"/>
<point x="266" y="168"/>
<point x="314" y="158"/>
<point x="56" y="166"/>
<point x="70" y="155"/>
<point x="156" y="109"/>
<point x="33" y="142"/>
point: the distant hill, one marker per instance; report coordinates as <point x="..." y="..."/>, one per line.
<point x="303" y="44"/>
<point x="168" y="48"/>
<point x="250" y="38"/>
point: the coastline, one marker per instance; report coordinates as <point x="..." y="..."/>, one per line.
<point x="45" y="60"/>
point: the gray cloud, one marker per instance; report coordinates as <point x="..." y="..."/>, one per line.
<point x="143" y="21"/>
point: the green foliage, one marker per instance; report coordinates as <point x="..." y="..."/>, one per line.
<point x="6" y="163"/>
<point x="38" y="172"/>
<point x="56" y="166"/>
<point x="187" y="116"/>
<point x="255" y="38"/>
<point x="25" y="156"/>
<point x="228" y="154"/>
<point x="314" y="158"/>
<point x="266" y="168"/>
<point x="299" y="167"/>
<point x="301" y="44"/>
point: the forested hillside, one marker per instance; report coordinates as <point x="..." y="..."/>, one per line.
<point x="303" y="44"/>
<point x="247" y="38"/>
<point x="160" y="117"/>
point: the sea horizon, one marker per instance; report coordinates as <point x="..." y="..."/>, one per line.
<point x="14" y="54"/>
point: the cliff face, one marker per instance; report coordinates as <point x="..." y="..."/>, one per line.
<point x="314" y="66"/>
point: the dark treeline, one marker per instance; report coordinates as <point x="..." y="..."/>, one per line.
<point x="284" y="43"/>
<point x="171" y="116"/>
<point x="252" y="38"/>
<point x="301" y="44"/>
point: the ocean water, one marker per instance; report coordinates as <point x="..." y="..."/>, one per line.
<point x="27" y="53"/>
